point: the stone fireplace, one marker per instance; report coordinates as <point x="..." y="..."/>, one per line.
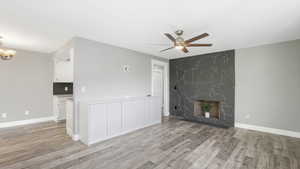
<point x="203" y="79"/>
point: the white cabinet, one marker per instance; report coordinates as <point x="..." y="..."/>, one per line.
<point x="64" y="66"/>
<point x="63" y="71"/>
<point x="70" y="117"/>
<point x="114" y="118"/>
<point x="131" y="109"/>
<point x="104" y="119"/>
<point x="59" y="106"/>
<point x="98" y="130"/>
<point x="155" y="110"/>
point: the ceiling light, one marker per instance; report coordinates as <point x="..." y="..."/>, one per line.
<point x="179" y="39"/>
<point x="7" y="54"/>
<point x="179" y="47"/>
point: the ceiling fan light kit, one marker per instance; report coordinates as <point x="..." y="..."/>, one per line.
<point x="179" y="47"/>
<point x="181" y="44"/>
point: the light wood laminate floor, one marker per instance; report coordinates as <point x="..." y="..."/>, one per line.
<point x="172" y="145"/>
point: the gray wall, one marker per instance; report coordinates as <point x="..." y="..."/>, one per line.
<point x="99" y="68"/>
<point x="26" y="84"/>
<point x="203" y="77"/>
<point x="268" y="86"/>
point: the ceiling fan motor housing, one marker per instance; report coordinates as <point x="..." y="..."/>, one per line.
<point x="179" y="32"/>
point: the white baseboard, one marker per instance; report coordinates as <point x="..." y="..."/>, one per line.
<point x="166" y="114"/>
<point x="25" y="122"/>
<point x="58" y="120"/>
<point x="76" y="137"/>
<point x="269" y="130"/>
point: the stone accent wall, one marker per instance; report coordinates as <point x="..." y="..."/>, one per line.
<point x="203" y="77"/>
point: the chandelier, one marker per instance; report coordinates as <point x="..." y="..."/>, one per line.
<point x="6" y="54"/>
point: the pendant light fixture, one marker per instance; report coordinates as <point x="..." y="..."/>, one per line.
<point x="6" y="54"/>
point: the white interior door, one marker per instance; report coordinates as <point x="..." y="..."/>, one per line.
<point x="158" y="85"/>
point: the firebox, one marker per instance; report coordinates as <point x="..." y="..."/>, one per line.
<point x="214" y="108"/>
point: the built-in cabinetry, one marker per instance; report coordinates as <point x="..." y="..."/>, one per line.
<point x="104" y="119"/>
<point x="64" y="66"/>
<point x="69" y="116"/>
<point x="59" y="106"/>
<point x="63" y="84"/>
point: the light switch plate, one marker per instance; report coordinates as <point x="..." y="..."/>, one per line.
<point x="4" y="115"/>
<point x="247" y="116"/>
<point x="27" y="112"/>
<point x="83" y="89"/>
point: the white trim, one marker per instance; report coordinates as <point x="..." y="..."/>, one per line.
<point x="26" y="122"/>
<point x="165" y="65"/>
<point x="56" y="119"/>
<point x="268" y="130"/>
<point x="76" y="137"/>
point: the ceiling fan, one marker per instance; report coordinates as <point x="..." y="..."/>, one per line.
<point x="181" y="44"/>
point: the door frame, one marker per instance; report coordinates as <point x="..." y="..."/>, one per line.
<point x="165" y="66"/>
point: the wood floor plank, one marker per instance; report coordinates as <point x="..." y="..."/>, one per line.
<point x="174" y="144"/>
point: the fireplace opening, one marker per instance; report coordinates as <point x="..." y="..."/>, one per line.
<point x="207" y="109"/>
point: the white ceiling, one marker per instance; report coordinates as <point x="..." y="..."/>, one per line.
<point x="45" y="25"/>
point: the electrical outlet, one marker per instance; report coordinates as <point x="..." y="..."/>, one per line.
<point x="27" y="112"/>
<point x="4" y="115"/>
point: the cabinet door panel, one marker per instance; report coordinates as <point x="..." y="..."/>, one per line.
<point x="147" y="113"/>
<point x="97" y="122"/>
<point x="141" y="113"/>
<point x="129" y="115"/>
<point x="155" y="110"/>
<point x="114" y="118"/>
<point x="69" y="117"/>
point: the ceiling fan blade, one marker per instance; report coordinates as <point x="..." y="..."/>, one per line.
<point x="197" y="38"/>
<point x="184" y="49"/>
<point x="158" y="44"/>
<point x="167" y="49"/>
<point x="195" y="45"/>
<point x="170" y="37"/>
